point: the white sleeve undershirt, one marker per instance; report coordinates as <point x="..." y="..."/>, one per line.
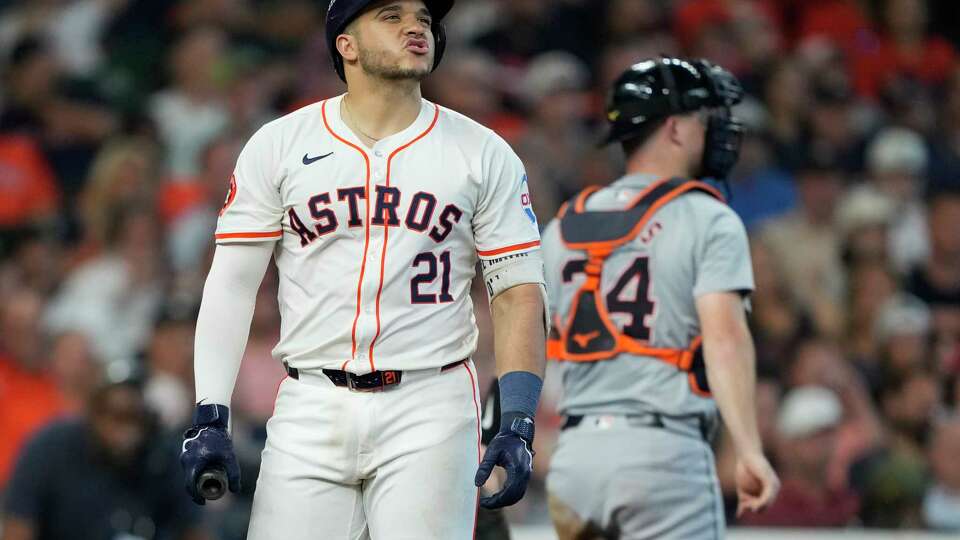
<point x="226" y="311"/>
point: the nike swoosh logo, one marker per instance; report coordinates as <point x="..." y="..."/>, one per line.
<point x="307" y="160"/>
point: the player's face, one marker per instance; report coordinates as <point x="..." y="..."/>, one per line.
<point x="394" y="40"/>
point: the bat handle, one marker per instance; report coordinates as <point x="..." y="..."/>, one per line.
<point x="212" y="483"/>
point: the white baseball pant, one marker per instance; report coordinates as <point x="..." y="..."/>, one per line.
<point x="394" y="464"/>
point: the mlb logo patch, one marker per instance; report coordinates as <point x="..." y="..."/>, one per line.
<point x="525" y="202"/>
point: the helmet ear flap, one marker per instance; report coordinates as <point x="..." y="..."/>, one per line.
<point x="440" y="42"/>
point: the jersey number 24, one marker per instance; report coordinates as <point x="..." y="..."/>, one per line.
<point x="639" y="307"/>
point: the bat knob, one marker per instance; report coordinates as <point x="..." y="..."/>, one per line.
<point x="212" y="484"/>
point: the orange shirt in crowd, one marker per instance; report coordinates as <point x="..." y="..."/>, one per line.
<point x="28" y="401"/>
<point x="27" y="187"/>
<point x="842" y="22"/>
<point x="693" y="16"/>
<point x="931" y="64"/>
<point x="177" y="196"/>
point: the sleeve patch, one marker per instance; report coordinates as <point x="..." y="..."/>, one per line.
<point x="231" y="194"/>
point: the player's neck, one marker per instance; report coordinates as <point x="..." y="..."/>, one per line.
<point x="658" y="164"/>
<point x="375" y="110"/>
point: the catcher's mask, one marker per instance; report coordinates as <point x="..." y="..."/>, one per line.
<point x="654" y="89"/>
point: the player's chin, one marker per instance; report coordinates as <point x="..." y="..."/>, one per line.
<point x="417" y="62"/>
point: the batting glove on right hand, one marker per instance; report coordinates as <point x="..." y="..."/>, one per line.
<point x="512" y="450"/>
<point x="207" y="445"/>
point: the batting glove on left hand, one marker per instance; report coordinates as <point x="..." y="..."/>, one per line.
<point x="512" y="450"/>
<point x="207" y="445"/>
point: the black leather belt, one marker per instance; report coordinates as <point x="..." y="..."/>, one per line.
<point x="572" y="421"/>
<point x="654" y="420"/>
<point x="369" y="382"/>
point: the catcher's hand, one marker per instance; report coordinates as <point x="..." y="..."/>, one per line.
<point x="757" y="483"/>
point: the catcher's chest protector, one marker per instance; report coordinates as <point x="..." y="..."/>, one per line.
<point x="588" y="334"/>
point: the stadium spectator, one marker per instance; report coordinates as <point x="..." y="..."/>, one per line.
<point x="843" y="22"/>
<point x="189" y="208"/>
<point x="941" y="504"/>
<point x="520" y="32"/>
<point x="124" y="173"/>
<point x="28" y="193"/>
<point x="108" y="474"/>
<point x="807" y="426"/>
<point x="168" y="388"/>
<point x="897" y="161"/>
<point x="113" y="298"/>
<point x="945" y="150"/>
<point x="903" y="332"/>
<point x="192" y="111"/>
<point x="555" y="139"/>
<point x="808" y="246"/>
<point x="871" y="283"/>
<point x="906" y="49"/>
<point x="29" y="397"/>
<point x="75" y="369"/>
<point x="864" y="218"/>
<point x="892" y="480"/>
<point x="34" y="259"/>
<point x="68" y="123"/>
<point x="784" y="96"/>
<point x="937" y="281"/>
<point x="471" y="87"/>
<point x="760" y="189"/>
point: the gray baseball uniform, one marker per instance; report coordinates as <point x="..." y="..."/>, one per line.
<point x="637" y="464"/>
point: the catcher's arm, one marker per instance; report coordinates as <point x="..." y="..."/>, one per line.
<point x="730" y="360"/>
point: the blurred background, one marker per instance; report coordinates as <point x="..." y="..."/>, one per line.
<point x="120" y="122"/>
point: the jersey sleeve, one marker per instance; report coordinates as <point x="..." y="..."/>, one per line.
<point x="504" y="221"/>
<point x="553" y="264"/>
<point x="253" y="210"/>
<point x="723" y="257"/>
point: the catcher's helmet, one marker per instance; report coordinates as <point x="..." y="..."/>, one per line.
<point x="655" y="89"/>
<point x="340" y="13"/>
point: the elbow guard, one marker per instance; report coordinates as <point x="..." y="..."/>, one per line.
<point x="502" y="273"/>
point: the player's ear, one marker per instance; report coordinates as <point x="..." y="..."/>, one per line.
<point x="347" y="47"/>
<point x="674" y="129"/>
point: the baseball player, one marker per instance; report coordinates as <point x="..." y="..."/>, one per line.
<point x="376" y="206"/>
<point x="649" y="278"/>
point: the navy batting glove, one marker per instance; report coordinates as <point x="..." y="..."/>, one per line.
<point x="511" y="449"/>
<point x="207" y="445"/>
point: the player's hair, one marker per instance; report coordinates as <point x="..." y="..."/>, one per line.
<point x="641" y="136"/>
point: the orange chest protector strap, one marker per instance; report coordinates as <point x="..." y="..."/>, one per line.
<point x="587" y="333"/>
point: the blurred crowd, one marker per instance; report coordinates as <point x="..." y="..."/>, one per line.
<point x="120" y="122"/>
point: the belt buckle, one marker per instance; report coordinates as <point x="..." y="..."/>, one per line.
<point x="351" y="385"/>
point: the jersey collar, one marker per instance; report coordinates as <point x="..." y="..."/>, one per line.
<point x="384" y="146"/>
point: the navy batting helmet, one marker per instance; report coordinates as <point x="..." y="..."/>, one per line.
<point x="340" y="13"/>
<point x="654" y="89"/>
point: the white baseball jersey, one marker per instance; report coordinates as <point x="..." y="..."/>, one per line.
<point x="376" y="247"/>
